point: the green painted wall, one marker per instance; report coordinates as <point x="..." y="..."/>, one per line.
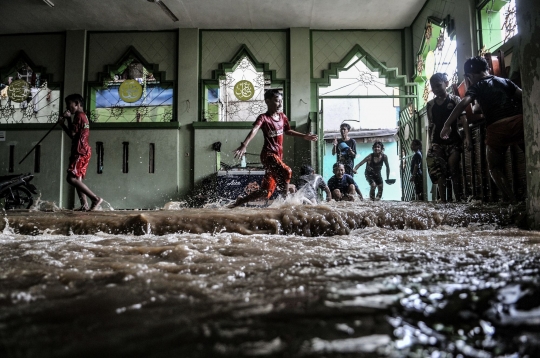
<point x="49" y="180"/>
<point x="230" y="135"/>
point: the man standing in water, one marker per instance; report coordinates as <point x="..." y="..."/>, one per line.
<point x="274" y="123"/>
<point x="78" y="130"/>
<point x="500" y="100"/>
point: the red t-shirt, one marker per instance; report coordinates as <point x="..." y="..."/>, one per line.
<point x="81" y="127"/>
<point x="273" y="133"/>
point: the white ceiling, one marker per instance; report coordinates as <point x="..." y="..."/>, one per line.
<point x="29" y="16"/>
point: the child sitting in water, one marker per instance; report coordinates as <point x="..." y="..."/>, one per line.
<point x="444" y="155"/>
<point x="274" y="123"/>
<point x="374" y="163"/>
<point x="343" y="185"/>
<point x="416" y="169"/>
<point x="310" y="182"/>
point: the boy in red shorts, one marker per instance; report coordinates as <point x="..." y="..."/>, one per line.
<point x="78" y="130"/>
<point x="274" y="124"/>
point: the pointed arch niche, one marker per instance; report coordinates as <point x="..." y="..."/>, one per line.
<point x="131" y="90"/>
<point x="27" y="93"/>
<point x="236" y="91"/>
<point x="372" y="98"/>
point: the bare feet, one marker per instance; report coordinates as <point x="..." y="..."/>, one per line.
<point x="82" y="208"/>
<point x="96" y="204"/>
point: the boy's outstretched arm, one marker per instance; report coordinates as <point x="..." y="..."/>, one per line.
<point x="241" y="150"/>
<point x="360" y="164"/>
<point x="306" y="136"/>
<point x="445" y="132"/>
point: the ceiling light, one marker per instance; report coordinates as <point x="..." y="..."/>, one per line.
<point x="48" y="2"/>
<point x="163" y="7"/>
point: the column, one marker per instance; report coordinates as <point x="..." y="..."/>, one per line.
<point x="528" y="20"/>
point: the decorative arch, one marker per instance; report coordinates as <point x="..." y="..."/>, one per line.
<point x="389" y="73"/>
<point x="156" y="102"/>
<point x="42" y="100"/>
<point x="269" y="80"/>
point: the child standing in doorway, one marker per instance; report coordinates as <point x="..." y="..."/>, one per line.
<point x="345" y="149"/>
<point x="274" y="124"/>
<point x="374" y="163"/>
<point x="78" y="130"/>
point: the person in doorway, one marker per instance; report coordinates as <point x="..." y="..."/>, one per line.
<point x="345" y="149"/>
<point x="342" y="185"/>
<point x="500" y="101"/>
<point x="374" y="163"/>
<point x="444" y="155"/>
<point x="416" y="169"/>
<point x="274" y="124"/>
<point x="309" y="182"/>
<point x="78" y="130"/>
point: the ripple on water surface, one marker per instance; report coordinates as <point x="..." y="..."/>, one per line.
<point x="375" y="291"/>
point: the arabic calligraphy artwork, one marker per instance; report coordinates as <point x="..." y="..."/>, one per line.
<point x="18" y="91"/>
<point x="244" y="90"/>
<point x="130" y="91"/>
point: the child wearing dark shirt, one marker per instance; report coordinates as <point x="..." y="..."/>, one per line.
<point x="343" y="185"/>
<point x="444" y="155"/>
<point x="374" y="163"/>
<point x="500" y="100"/>
<point x="416" y="169"/>
<point x="78" y="130"/>
<point x="345" y="149"/>
<point x="274" y="124"/>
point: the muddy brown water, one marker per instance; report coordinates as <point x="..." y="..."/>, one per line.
<point x="383" y="279"/>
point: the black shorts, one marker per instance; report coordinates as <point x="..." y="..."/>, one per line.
<point x="374" y="178"/>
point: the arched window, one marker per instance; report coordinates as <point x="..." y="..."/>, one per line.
<point x="236" y="92"/>
<point x="27" y="94"/>
<point x="131" y="91"/>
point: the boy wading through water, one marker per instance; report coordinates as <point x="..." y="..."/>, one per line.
<point x="274" y="124"/>
<point x="78" y="130"/>
<point x="444" y="155"/>
<point x="500" y="100"/>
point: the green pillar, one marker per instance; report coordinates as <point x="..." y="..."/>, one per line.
<point x="187" y="104"/>
<point x="74" y="80"/>
<point x="300" y="52"/>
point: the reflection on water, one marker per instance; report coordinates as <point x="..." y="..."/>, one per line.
<point x="375" y="292"/>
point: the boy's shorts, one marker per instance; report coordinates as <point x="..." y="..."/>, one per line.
<point x="372" y="177"/>
<point x="78" y="165"/>
<point x="437" y="159"/>
<point x="505" y="132"/>
<point x="277" y="173"/>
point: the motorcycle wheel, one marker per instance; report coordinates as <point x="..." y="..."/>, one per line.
<point x="22" y="199"/>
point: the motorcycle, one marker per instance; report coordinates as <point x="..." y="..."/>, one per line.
<point x="16" y="191"/>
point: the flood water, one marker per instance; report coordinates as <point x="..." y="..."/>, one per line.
<point x="434" y="289"/>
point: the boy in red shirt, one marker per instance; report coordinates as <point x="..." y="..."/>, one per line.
<point x="78" y="130"/>
<point x="274" y="123"/>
